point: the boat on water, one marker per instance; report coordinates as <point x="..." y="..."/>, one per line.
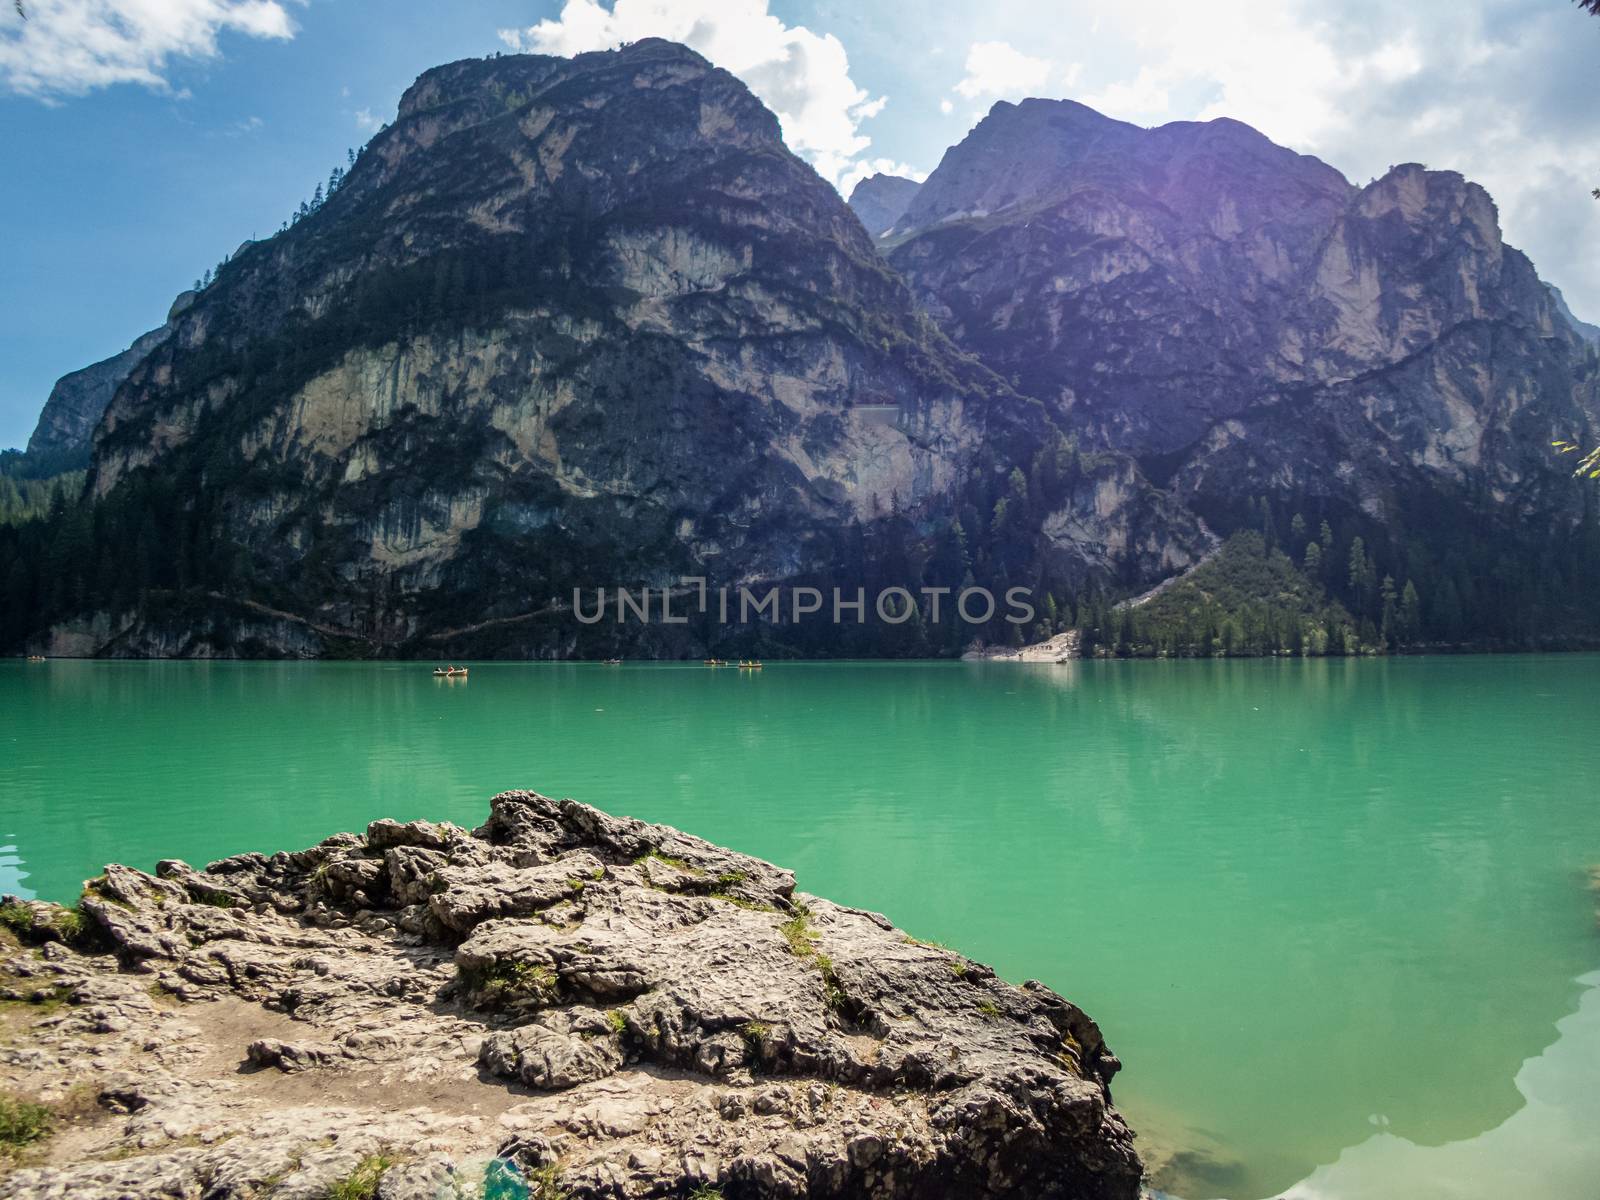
<point x="449" y="672"/>
<point x="613" y="662"/>
<point x="716" y="662"/>
<point x="35" y="658"/>
<point x="753" y="665"/>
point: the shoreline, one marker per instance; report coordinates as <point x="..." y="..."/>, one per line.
<point x="1038" y="652"/>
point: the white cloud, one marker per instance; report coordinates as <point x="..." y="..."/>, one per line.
<point x="862" y="168"/>
<point x="69" y="47"/>
<point x="1000" y="69"/>
<point x="946" y="107"/>
<point x="801" y="75"/>
<point x="366" y="122"/>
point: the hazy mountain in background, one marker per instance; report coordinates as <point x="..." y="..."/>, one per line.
<point x="880" y="200"/>
<point x="1588" y="332"/>
<point x="64" y="434"/>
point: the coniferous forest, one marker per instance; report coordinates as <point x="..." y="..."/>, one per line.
<point x="1281" y="582"/>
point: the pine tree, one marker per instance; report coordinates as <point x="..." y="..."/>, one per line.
<point x="1019" y="485"/>
<point x="1410" y="613"/>
<point x="1360" y="579"/>
<point x="1269" y="530"/>
<point x="1389" y="615"/>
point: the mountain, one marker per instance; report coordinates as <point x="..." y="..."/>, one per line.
<point x="566" y="323"/>
<point x="1269" y="340"/>
<point x="65" y="431"/>
<point x="1589" y="333"/>
<point x="587" y="323"/>
<point x="880" y="200"/>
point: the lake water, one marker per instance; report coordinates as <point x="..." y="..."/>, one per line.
<point x="1333" y="915"/>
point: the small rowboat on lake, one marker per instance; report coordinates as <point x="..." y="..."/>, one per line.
<point x="754" y="665"/>
<point x="716" y="662"/>
<point x="446" y="672"/>
<point x="613" y="662"/>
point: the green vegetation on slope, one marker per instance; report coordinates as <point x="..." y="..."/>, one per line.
<point x="25" y="495"/>
<point x="1247" y="600"/>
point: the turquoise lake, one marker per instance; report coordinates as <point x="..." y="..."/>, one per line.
<point x="1335" y="916"/>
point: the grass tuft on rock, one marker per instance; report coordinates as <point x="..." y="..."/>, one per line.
<point x="755" y="1033"/>
<point x="361" y="1183"/>
<point x="644" y="861"/>
<point x="70" y="925"/>
<point x="22" y="1124"/>
<point x="16" y="917"/>
<point x="505" y="983"/>
<point x="802" y="939"/>
<point x="544" y="1183"/>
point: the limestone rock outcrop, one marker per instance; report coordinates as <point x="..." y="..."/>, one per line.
<point x="594" y="1005"/>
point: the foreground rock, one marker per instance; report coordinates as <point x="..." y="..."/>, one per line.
<point x="589" y="1005"/>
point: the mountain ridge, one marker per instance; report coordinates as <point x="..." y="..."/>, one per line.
<point x="588" y="322"/>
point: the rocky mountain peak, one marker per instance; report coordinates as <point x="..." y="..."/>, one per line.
<point x="1427" y="199"/>
<point x="513" y="78"/>
<point x="1018" y="152"/>
<point x="1219" y="175"/>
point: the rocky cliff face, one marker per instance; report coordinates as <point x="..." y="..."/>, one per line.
<point x="1247" y="323"/>
<point x="1425" y="356"/>
<point x="880" y="200"/>
<point x="589" y="1005"/>
<point x="568" y="322"/>
<point x="1135" y="279"/>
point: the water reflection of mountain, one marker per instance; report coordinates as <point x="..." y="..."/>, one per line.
<point x="1547" y="1148"/>
<point x="11" y="872"/>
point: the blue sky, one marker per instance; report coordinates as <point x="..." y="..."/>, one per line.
<point x="144" y="139"/>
